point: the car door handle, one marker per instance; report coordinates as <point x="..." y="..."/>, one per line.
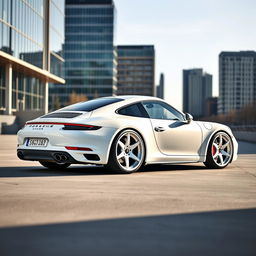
<point x="159" y="129"/>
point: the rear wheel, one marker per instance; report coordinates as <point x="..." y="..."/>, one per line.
<point x="127" y="153"/>
<point x="54" y="166"/>
<point x="220" y="151"/>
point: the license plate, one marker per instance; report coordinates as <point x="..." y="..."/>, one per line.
<point x="37" y="142"/>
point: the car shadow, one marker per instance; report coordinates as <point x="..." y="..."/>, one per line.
<point x="34" y="171"/>
<point x="229" y="233"/>
<point x="37" y="171"/>
<point x="172" y="167"/>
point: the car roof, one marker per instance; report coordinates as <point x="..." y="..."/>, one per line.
<point x="111" y="102"/>
<point x="135" y="97"/>
<point x="125" y="100"/>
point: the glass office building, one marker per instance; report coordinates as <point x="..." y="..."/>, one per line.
<point x="136" y="70"/>
<point x="90" y="65"/>
<point x="31" y="41"/>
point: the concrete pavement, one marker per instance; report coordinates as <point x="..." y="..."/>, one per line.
<point x="165" y="210"/>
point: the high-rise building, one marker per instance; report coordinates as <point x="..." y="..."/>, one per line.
<point x="160" y="87"/>
<point x="237" y="80"/>
<point x="197" y="88"/>
<point x="31" y="38"/>
<point x="90" y="63"/>
<point x="136" y="70"/>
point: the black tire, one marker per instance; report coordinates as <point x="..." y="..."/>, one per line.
<point x="54" y="166"/>
<point x="210" y="162"/>
<point x="113" y="163"/>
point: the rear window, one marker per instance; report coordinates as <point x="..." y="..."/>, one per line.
<point x="62" y="115"/>
<point x="91" y="105"/>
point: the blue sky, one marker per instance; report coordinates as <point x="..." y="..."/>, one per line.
<point x="187" y="34"/>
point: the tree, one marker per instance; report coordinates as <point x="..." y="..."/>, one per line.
<point x="96" y="95"/>
<point x="75" y="98"/>
<point x="244" y="116"/>
<point x="56" y="102"/>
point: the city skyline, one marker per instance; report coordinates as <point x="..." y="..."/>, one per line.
<point x="186" y="37"/>
<point x="171" y="57"/>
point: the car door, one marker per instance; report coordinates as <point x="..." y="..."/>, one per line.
<point x="173" y="134"/>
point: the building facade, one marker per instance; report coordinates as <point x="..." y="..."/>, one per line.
<point x="90" y="62"/>
<point x="237" y="80"/>
<point x="136" y="70"/>
<point x="160" y="87"/>
<point x="197" y="88"/>
<point x="31" y="38"/>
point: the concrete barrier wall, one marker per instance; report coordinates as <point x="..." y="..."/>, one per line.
<point x="11" y="124"/>
<point x="245" y="136"/>
<point x="7" y="120"/>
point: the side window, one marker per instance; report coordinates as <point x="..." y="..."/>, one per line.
<point x="133" y="110"/>
<point x="161" y="110"/>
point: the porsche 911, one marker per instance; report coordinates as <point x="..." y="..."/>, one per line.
<point x="124" y="133"/>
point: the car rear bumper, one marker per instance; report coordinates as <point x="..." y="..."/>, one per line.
<point x="56" y="156"/>
<point x="92" y="146"/>
<point x="45" y="155"/>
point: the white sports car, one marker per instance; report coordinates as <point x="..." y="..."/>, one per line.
<point x="124" y="133"/>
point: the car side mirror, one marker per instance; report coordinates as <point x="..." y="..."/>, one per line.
<point x="188" y="117"/>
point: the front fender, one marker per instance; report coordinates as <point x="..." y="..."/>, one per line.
<point x="209" y="130"/>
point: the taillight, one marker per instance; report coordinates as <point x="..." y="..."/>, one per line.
<point x="78" y="148"/>
<point x="80" y="127"/>
<point x="68" y="126"/>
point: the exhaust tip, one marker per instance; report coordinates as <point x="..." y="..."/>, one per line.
<point x="60" y="158"/>
<point x="20" y="155"/>
<point x="64" y="158"/>
<point x="57" y="157"/>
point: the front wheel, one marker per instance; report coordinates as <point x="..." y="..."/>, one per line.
<point x="54" y="166"/>
<point x="220" y="151"/>
<point x="127" y="153"/>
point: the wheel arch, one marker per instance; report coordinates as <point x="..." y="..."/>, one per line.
<point x="119" y="132"/>
<point x="210" y="138"/>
